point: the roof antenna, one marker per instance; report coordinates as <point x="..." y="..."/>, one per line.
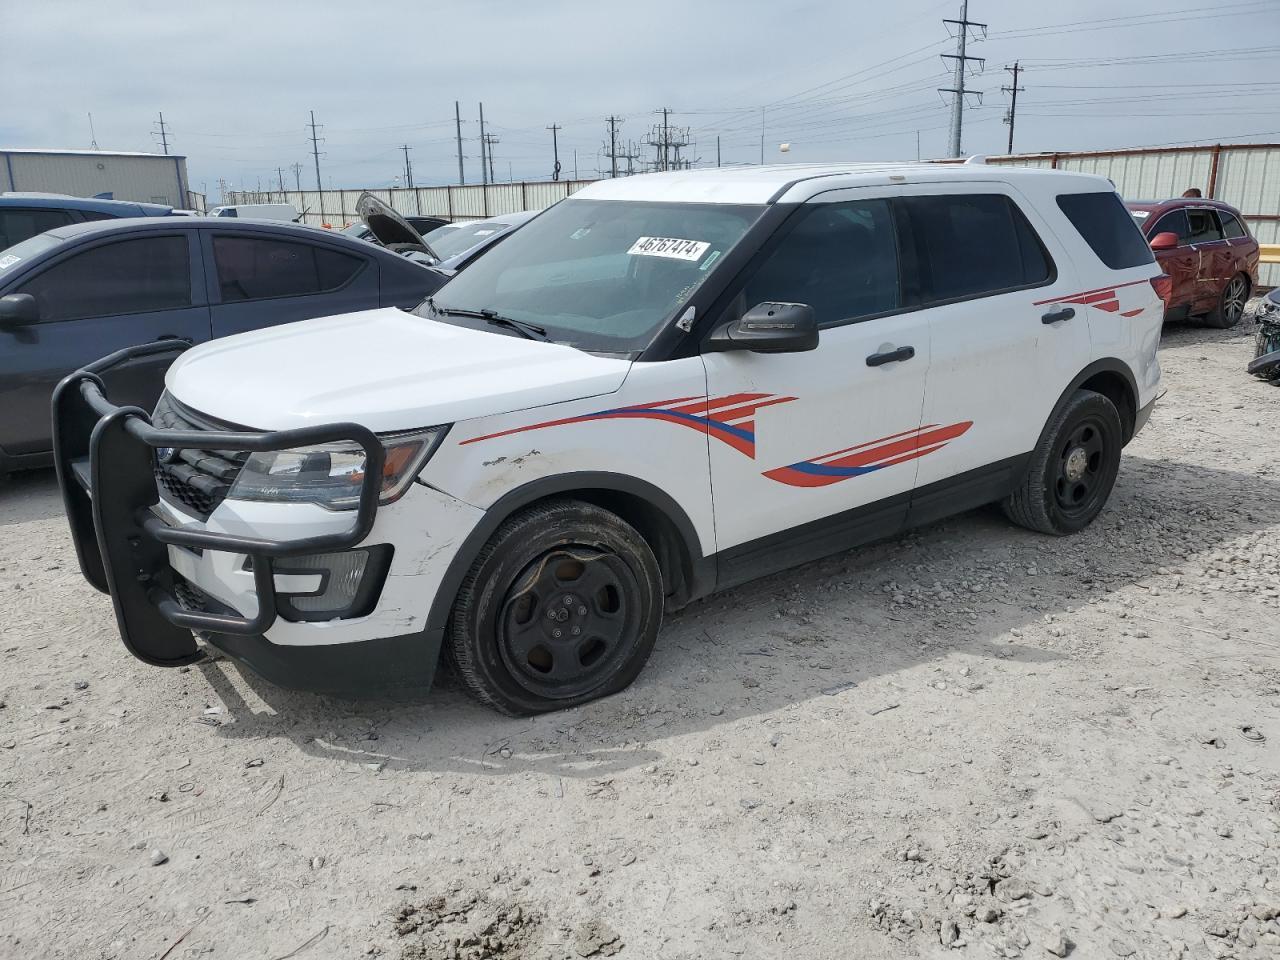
<point x="93" y="137"/>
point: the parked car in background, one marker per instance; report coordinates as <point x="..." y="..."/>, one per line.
<point x="448" y="248"/>
<point x="76" y="293"/>
<point x="423" y="225"/>
<point x="662" y="386"/>
<point x="1207" y="254"/>
<point x="259" y="211"/>
<point x="24" y="215"/>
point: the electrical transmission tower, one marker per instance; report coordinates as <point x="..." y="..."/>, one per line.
<point x="667" y="142"/>
<point x="164" y="135"/>
<point x="960" y="73"/>
<point x="1011" y="115"/>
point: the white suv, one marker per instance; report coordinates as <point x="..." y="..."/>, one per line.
<point x="660" y="387"/>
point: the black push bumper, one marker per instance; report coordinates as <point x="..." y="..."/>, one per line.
<point x="104" y="456"/>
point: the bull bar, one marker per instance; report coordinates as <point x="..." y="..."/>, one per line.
<point x="104" y="456"/>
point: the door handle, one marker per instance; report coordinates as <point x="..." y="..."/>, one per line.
<point x="1056" y="316"/>
<point x="902" y="353"/>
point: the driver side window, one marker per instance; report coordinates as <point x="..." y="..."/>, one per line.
<point x="841" y="259"/>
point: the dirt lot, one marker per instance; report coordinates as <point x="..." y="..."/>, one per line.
<point x="971" y="741"/>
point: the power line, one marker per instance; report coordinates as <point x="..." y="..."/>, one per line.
<point x="961" y="58"/>
<point x="1012" y="115"/>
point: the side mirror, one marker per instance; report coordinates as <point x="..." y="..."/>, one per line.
<point x="18" y="310"/>
<point x="768" y="328"/>
<point x="1166" y="240"/>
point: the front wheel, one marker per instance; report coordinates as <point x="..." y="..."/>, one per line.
<point x="562" y="606"/>
<point x="1231" y="304"/>
<point x="1073" y="468"/>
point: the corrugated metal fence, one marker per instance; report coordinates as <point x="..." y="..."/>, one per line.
<point x="337" y="208"/>
<point x="1245" y="175"/>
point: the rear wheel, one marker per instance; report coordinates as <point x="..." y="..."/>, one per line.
<point x="1072" y="469"/>
<point x="562" y="606"/>
<point x="1231" y="303"/>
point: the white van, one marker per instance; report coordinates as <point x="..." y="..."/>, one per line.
<point x="259" y="211"/>
<point x="658" y="388"/>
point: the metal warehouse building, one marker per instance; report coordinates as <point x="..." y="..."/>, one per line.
<point x="141" y="177"/>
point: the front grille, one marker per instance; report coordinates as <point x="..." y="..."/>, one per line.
<point x="195" y="479"/>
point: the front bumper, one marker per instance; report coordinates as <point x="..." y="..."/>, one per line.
<point x="104" y="455"/>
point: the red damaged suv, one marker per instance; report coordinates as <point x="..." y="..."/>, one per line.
<point x="1209" y="258"/>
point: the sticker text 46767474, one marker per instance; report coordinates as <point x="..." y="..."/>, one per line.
<point x="670" y="247"/>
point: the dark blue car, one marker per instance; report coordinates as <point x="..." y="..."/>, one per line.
<point x="23" y="215"/>
<point x="77" y="293"/>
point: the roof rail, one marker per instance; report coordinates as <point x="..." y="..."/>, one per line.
<point x="976" y="158"/>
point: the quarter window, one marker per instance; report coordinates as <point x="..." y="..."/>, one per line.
<point x="1232" y="228"/>
<point x="841" y="259"/>
<point x="974" y="245"/>
<point x="1104" y="223"/>
<point x="256" y="268"/>
<point x="131" y="276"/>
<point x="1175" y="222"/>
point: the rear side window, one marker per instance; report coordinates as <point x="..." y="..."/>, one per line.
<point x="18" y="225"/>
<point x="841" y="259"/>
<point x="258" y="268"/>
<point x="974" y="245"/>
<point x="1232" y="228"/>
<point x="1204" y="226"/>
<point x="131" y="276"/>
<point x="1107" y="227"/>
<point x="1175" y="222"/>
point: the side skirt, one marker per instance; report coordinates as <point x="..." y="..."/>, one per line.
<point x="874" y="521"/>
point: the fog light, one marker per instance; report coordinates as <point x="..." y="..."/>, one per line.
<point x="350" y="583"/>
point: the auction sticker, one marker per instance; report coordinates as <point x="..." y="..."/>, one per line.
<point x="9" y="261"/>
<point x="669" y="247"/>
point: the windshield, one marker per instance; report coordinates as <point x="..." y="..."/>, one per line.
<point x="10" y="257"/>
<point x="452" y="240"/>
<point x="357" y="230"/>
<point x="600" y="275"/>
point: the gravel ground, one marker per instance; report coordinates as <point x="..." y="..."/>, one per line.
<point x="970" y="741"/>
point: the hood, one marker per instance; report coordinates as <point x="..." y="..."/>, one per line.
<point x="392" y="230"/>
<point x="385" y="369"/>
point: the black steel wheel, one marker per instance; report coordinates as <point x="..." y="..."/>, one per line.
<point x="562" y="606"/>
<point x="1072" y="469"/>
<point x="1230" y="308"/>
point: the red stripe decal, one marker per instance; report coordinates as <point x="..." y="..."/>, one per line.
<point x="1085" y="293"/>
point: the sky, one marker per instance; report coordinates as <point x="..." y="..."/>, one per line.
<point x="835" y="79"/>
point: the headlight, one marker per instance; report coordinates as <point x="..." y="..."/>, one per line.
<point x="1270" y="304"/>
<point x="330" y="474"/>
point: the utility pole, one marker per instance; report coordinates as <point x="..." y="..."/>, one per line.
<point x="164" y="136"/>
<point x="575" y="163"/>
<point x="457" y="125"/>
<point x="960" y="73"/>
<point x="315" y="150"/>
<point x="489" y="141"/>
<point x="666" y="141"/>
<point x="280" y="177"/>
<point x="717" y="149"/>
<point x="408" y="166"/>
<point x="613" y="144"/>
<point x="555" y="149"/>
<point x="297" y="176"/>
<point x="484" y="143"/>
<point x="1012" y="114"/>
<point x="762" y="109"/>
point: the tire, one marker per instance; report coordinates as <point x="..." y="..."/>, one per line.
<point x="1231" y="304"/>
<point x="1073" y="467"/>
<point x="562" y="606"/>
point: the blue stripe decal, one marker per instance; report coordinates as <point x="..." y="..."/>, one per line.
<point x="822" y="470"/>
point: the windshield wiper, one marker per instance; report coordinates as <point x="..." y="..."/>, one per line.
<point x="530" y="331"/>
